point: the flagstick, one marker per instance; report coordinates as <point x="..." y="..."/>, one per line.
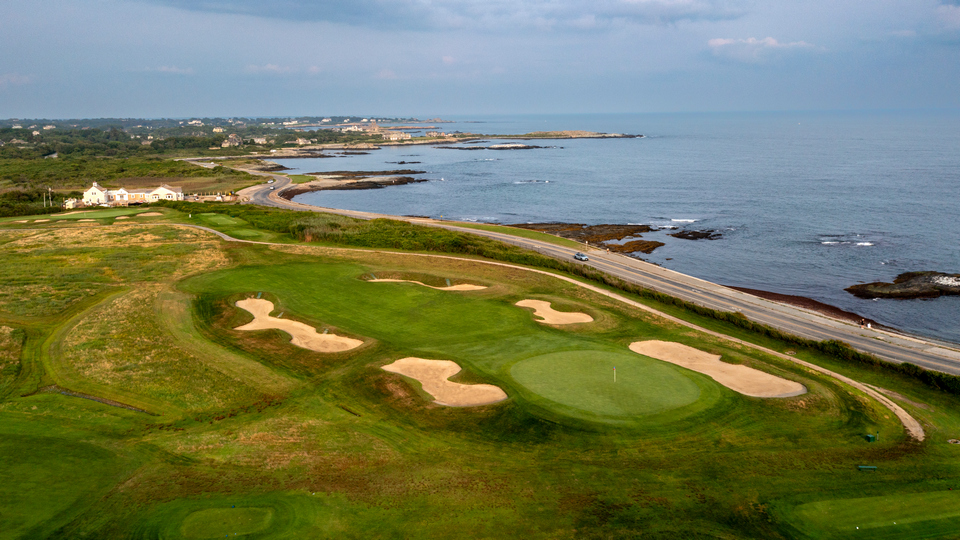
<point x="614" y="374"/>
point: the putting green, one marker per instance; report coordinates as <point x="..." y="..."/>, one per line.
<point x="221" y="522"/>
<point x="914" y="515"/>
<point x="584" y="380"/>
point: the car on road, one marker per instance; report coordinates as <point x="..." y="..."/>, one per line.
<point x="581" y="257"/>
<point x="270" y="181"/>
<point x="273" y="187"/>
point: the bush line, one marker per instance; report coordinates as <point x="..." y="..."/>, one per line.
<point x="394" y="234"/>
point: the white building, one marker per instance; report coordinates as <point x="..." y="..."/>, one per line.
<point x="122" y="197"/>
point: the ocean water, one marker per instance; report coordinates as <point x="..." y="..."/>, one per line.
<point x="807" y="203"/>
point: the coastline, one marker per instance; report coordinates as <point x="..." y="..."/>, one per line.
<point x="814" y="305"/>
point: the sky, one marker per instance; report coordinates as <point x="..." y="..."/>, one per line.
<point x="197" y="58"/>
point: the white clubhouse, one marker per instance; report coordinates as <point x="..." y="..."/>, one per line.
<point x="122" y="197"/>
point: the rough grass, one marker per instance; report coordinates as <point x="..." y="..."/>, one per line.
<point x="46" y="271"/>
<point x="121" y="350"/>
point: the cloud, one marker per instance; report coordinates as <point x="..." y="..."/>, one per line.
<point x="274" y="69"/>
<point x="948" y="15"/>
<point x="14" y="79"/>
<point x="495" y="15"/>
<point x="753" y="50"/>
<point x="173" y="70"/>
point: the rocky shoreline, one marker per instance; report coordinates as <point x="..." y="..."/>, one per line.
<point x="910" y="285"/>
<point x="811" y="304"/>
<point x="599" y="235"/>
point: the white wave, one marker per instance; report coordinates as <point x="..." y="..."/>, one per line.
<point x="683" y="220"/>
<point x="864" y="243"/>
<point x="829" y="243"/>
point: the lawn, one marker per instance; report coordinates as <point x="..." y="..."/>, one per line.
<point x="253" y="436"/>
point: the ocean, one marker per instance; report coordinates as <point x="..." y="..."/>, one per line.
<point x="806" y="203"/>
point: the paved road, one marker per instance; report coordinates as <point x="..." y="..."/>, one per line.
<point x="895" y="347"/>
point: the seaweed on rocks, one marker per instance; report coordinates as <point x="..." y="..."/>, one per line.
<point x="910" y="285"/>
<point x="706" y="234"/>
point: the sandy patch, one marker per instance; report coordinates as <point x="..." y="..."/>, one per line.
<point x="739" y="378"/>
<point x="118" y="218"/>
<point x="149" y="214"/>
<point x="22" y="221"/>
<point x="79" y="220"/>
<point x="303" y="335"/>
<point x="461" y="287"/>
<point x="550" y="316"/>
<point x="41" y="220"/>
<point x="433" y="375"/>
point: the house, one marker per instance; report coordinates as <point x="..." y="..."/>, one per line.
<point x="259" y="140"/>
<point x="98" y="194"/>
<point x="70" y="204"/>
<point x="218" y="130"/>
<point x="35" y="133"/>
<point x="396" y="136"/>
<point x="301" y="141"/>
<point x="17" y="126"/>
<point x="232" y="140"/>
<point x="50" y="127"/>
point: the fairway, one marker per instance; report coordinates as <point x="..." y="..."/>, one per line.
<point x="584" y="380"/>
<point x="221" y="522"/>
<point x="916" y="515"/>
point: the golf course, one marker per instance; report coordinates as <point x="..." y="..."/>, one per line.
<point x="325" y="377"/>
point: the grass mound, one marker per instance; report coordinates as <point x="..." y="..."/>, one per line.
<point x="222" y="522"/>
<point x="584" y="381"/>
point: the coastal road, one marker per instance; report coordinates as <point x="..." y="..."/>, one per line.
<point x="891" y="346"/>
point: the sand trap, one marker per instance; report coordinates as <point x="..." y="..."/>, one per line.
<point x="550" y="316"/>
<point x="41" y="220"/>
<point x="149" y="214"/>
<point x="22" y="221"/>
<point x="303" y="335"/>
<point x="79" y="220"/>
<point x="461" y="287"/>
<point x="118" y="218"/>
<point x="433" y="375"/>
<point x="742" y="379"/>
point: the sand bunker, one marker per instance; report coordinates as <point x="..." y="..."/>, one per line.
<point x="550" y="316"/>
<point x="149" y="214"/>
<point x="303" y="335"/>
<point x="743" y="379"/>
<point x="21" y="221"/>
<point x="118" y="218"/>
<point x="85" y="220"/>
<point x="433" y="375"/>
<point x="41" y="220"/>
<point x="461" y="287"/>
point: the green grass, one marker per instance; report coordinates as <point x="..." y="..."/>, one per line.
<point x="334" y="447"/>
<point x="584" y="380"/>
<point x="915" y="515"/>
<point x="523" y="233"/>
<point x="224" y="522"/>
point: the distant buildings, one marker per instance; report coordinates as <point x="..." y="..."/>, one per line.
<point x="50" y="127"/>
<point x="218" y="130"/>
<point x="396" y="136"/>
<point x="301" y="141"/>
<point x="232" y="140"/>
<point x="122" y="197"/>
<point x="259" y="140"/>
